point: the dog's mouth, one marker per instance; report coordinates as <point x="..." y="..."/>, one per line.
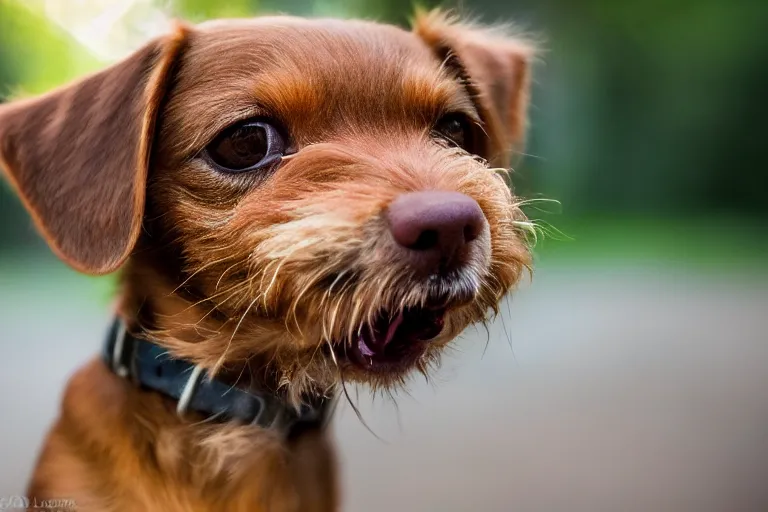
<point x="393" y="342"/>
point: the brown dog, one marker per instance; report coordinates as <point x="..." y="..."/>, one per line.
<point x="295" y="204"/>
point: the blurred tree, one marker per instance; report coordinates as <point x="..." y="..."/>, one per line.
<point x="36" y="55"/>
<point x="642" y="108"/>
<point x="392" y="11"/>
<point x="652" y="107"/>
<point x="199" y="10"/>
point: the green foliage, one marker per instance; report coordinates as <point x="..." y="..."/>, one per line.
<point x="392" y="11"/>
<point x="706" y="243"/>
<point x="652" y="107"/>
<point x="36" y="55"/>
<point x="643" y="109"/>
<point x="199" y="10"/>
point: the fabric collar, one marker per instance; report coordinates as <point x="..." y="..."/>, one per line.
<point x="151" y="367"/>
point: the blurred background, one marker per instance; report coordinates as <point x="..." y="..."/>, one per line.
<point x="629" y="374"/>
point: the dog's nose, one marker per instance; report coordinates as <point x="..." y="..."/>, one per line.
<point x="435" y="224"/>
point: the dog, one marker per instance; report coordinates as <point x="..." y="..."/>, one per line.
<point x="294" y="205"/>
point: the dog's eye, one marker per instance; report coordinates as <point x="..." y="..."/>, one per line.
<point x="456" y="129"/>
<point x="246" y="147"/>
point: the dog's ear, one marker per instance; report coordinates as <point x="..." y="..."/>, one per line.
<point x="79" y="155"/>
<point x="494" y="68"/>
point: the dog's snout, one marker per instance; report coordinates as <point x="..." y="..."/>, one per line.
<point x="436" y="224"/>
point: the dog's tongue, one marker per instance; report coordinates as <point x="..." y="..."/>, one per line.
<point x="376" y="338"/>
<point x="390" y="335"/>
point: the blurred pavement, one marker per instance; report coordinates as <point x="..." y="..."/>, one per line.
<point x="628" y="388"/>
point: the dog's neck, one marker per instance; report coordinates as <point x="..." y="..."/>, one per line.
<point x="162" y="303"/>
<point x="170" y="313"/>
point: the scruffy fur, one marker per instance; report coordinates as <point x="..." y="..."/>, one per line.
<point x="255" y="276"/>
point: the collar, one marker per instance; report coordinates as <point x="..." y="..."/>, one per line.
<point x="152" y="367"/>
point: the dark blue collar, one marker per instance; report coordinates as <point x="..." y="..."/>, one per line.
<point x="151" y="367"/>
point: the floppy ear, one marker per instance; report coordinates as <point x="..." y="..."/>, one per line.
<point x="495" y="70"/>
<point x="78" y="156"/>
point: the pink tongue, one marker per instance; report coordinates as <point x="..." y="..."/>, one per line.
<point x="392" y="329"/>
<point x="372" y="342"/>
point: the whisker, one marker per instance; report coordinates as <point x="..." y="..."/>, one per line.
<point x="218" y="281"/>
<point x="357" y="411"/>
<point x="220" y="362"/>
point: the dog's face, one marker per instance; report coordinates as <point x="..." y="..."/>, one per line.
<point x="316" y="195"/>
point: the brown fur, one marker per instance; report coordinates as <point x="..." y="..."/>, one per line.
<point x="252" y="276"/>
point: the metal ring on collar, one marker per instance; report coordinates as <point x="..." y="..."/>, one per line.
<point x="189" y="390"/>
<point x="117" y="351"/>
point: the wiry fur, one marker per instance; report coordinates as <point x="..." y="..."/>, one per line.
<point x="265" y="278"/>
<point x="328" y="265"/>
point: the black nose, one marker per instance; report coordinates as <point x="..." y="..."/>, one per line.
<point x="435" y="225"/>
